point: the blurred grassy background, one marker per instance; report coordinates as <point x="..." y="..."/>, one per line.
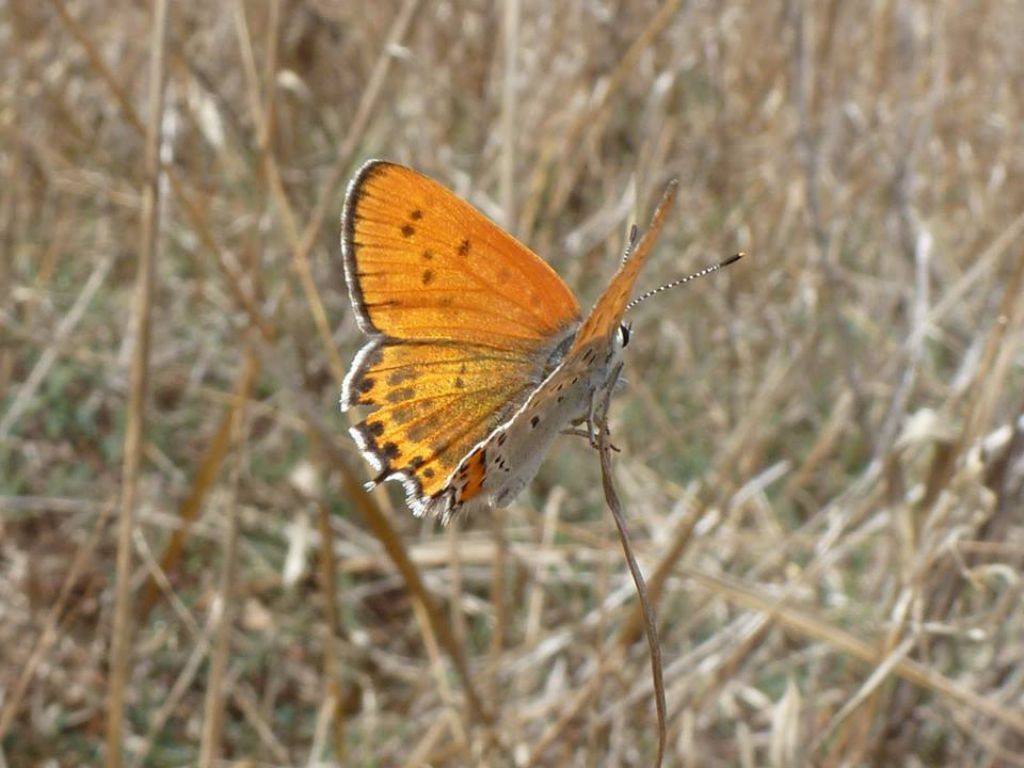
<point x="822" y="448"/>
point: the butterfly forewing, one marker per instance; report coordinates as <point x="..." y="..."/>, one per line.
<point x="423" y="264"/>
<point x="605" y="317"/>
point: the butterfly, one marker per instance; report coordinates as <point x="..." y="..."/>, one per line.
<point x="478" y="353"/>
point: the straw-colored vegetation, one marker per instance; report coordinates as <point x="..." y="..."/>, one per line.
<point x="822" y="447"/>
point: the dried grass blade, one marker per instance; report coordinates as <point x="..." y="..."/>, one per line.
<point x="649" y="619"/>
<point x="121" y="632"/>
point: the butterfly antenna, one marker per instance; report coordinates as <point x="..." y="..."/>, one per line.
<point x="681" y="280"/>
<point x="630" y="243"/>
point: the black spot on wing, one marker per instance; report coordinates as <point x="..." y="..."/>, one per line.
<point x="400" y="376"/>
<point x="400" y="416"/>
<point x="400" y="395"/>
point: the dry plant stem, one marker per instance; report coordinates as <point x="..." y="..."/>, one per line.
<point x="246" y="701"/>
<point x="209" y="470"/>
<point x="201" y="640"/>
<point x="498" y="601"/>
<point x="8" y="230"/>
<point x="650" y="620"/>
<point x="328" y="574"/>
<point x="915" y="346"/>
<point x="120" y="646"/>
<point x="455" y="725"/>
<point x="582" y="698"/>
<point x="681" y="539"/>
<point x="177" y="605"/>
<point x="324" y="718"/>
<point x="980" y="268"/>
<point x="66" y="326"/>
<point x="455" y="598"/>
<point x="535" y="600"/>
<point x="597" y="732"/>
<point x="249" y="67"/>
<point x="420" y="754"/>
<point x="49" y="634"/>
<point x="213" y="714"/>
<point x="185" y="679"/>
<point x="996" y="359"/>
<point x="267" y="124"/>
<point x="508" y="113"/>
<point x="96" y="60"/>
<point x="867" y="691"/>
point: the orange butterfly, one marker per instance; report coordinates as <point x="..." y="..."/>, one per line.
<point x="477" y="355"/>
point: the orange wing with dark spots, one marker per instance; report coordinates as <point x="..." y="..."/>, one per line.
<point x="463" y="320"/>
<point x="605" y="317"/>
<point x="423" y="264"/>
<point x="432" y="404"/>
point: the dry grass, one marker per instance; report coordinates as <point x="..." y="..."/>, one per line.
<point x="823" y="447"/>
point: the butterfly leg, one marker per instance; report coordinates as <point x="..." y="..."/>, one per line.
<point x="595" y="421"/>
<point x="583" y="433"/>
<point x="591" y="422"/>
<point x="597" y="413"/>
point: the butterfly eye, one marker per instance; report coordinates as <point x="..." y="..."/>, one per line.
<point x="624" y="331"/>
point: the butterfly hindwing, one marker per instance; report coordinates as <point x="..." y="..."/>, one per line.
<point x="431" y="404"/>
